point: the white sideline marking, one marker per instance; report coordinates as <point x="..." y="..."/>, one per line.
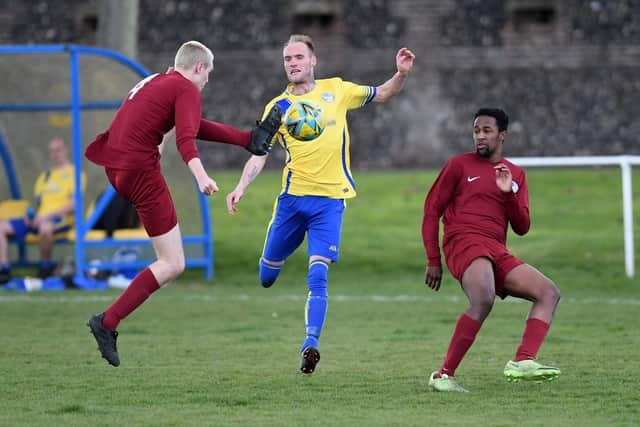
<point x="39" y="298"/>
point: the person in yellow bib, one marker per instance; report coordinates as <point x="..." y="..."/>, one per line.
<point x="50" y="214"/>
<point x="316" y="180"/>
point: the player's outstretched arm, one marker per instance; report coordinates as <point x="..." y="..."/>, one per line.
<point x="262" y="135"/>
<point x="257" y="141"/>
<point x="251" y="170"/>
<point x="390" y="88"/>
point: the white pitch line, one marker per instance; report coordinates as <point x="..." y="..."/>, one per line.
<point x="41" y="298"/>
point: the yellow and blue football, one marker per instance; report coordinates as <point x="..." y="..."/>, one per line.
<point x="304" y="121"/>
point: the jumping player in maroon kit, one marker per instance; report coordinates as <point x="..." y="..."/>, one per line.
<point x="479" y="194"/>
<point x="129" y="152"/>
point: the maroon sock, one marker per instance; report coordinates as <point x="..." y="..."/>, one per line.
<point x="463" y="336"/>
<point x="534" y="333"/>
<point x="143" y="285"/>
<point x="219" y="132"/>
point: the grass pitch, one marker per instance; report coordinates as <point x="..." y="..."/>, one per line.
<point x="226" y="352"/>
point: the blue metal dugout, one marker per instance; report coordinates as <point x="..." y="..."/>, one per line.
<point x="204" y="241"/>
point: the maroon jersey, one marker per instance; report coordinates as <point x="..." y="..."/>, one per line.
<point x="466" y="194"/>
<point x="150" y="109"/>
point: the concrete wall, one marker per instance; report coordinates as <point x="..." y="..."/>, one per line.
<point x="567" y="72"/>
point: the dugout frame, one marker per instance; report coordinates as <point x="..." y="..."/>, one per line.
<point x="82" y="226"/>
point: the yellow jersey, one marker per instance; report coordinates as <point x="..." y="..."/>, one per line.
<point x="54" y="189"/>
<point x="321" y="167"/>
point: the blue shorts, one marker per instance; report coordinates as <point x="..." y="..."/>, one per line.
<point x="20" y="228"/>
<point x="319" y="217"/>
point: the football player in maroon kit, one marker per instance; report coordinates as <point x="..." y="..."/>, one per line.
<point x="129" y="152"/>
<point x="479" y="194"/>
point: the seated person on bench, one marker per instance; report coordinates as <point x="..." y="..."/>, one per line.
<point x="51" y="213"/>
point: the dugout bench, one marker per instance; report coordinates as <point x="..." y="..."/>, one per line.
<point x="199" y="251"/>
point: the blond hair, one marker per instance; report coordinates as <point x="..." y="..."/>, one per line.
<point x="192" y="53"/>
<point x="301" y="38"/>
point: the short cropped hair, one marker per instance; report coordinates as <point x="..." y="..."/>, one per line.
<point x="301" y="38"/>
<point x="501" y="117"/>
<point x="192" y="53"/>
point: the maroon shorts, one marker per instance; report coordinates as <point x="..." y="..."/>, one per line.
<point x="461" y="251"/>
<point x="148" y="192"/>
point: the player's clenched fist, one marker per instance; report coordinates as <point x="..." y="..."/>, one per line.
<point x="207" y="186"/>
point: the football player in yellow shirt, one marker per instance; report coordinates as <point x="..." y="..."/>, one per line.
<point x="51" y="213"/>
<point x="316" y="178"/>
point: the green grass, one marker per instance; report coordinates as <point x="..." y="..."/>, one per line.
<point x="225" y="352"/>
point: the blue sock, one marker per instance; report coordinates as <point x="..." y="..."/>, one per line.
<point x="316" y="308"/>
<point x="268" y="273"/>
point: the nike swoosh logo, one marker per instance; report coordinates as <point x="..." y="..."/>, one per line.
<point x="471" y="179"/>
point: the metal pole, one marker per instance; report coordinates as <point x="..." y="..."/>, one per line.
<point x="74" y="72"/>
<point x="627" y="212"/>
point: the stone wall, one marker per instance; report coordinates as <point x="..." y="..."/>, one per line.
<point x="566" y="71"/>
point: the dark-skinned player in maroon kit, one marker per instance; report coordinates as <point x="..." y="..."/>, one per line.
<point x="478" y="194"/>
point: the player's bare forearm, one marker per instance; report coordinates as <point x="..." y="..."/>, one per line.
<point x="251" y="170"/>
<point x="390" y="88"/>
<point x="197" y="169"/>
